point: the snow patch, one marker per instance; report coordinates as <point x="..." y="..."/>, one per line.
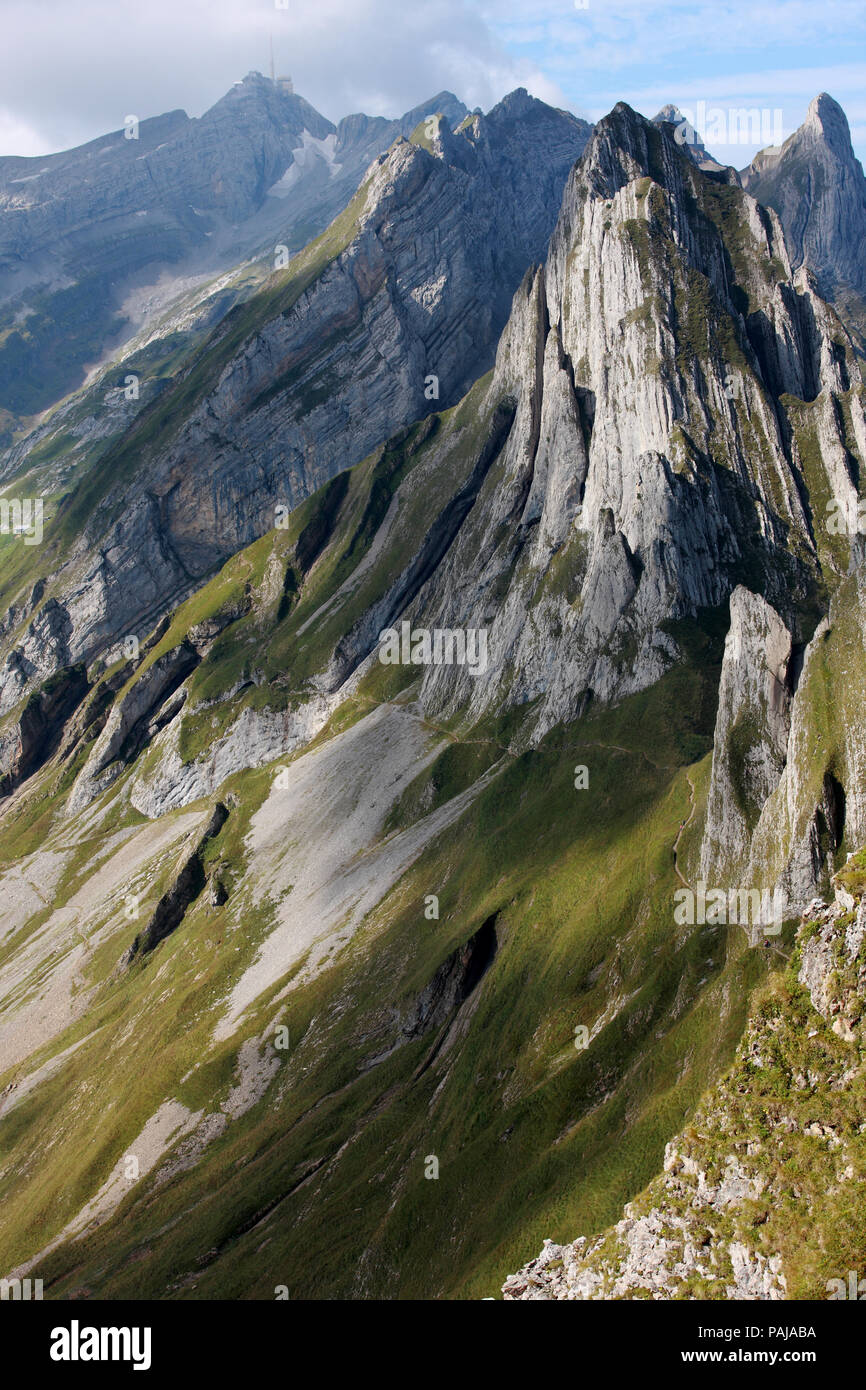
<point x="305" y="157"/>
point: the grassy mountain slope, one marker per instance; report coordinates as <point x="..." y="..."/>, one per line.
<point x="331" y="1159"/>
<point x="762" y="1193"/>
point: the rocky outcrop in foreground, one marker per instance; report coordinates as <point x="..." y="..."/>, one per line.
<point x="186" y="884"/>
<point x="779" y="1142"/>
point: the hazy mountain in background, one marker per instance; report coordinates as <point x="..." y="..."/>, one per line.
<point x="687" y="137"/>
<point x="96" y="239"/>
<point x="397" y="306"/>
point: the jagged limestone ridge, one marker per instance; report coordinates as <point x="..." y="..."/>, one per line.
<point x="636" y="482"/>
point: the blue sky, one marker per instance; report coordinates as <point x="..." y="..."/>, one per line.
<point x="72" y="71"/>
<point x="733" y="53"/>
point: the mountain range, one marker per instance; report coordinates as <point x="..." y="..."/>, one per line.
<point x="96" y="240"/>
<point x="382" y="969"/>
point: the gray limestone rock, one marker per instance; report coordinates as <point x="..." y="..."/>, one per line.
<point x="815" y="183"/>
<point x="751" y="738"/>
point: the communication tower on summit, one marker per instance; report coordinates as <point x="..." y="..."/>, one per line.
<point x="283" y="84"/>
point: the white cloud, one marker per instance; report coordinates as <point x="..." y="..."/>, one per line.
<point x="757" y="52"/>
<point x="16" y="137"/>
<point x="70" y="72"/>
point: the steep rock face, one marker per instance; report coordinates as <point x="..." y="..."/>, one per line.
<point x="453" y="983"/>
<point x="752" y="728"/>
<point x="816" y="184"/>
<point x="819" y="805"/>
<point x="186" y="884"/>
<point x="255" y="738"/>
<point x="670" y="412"/>
<point x="447" y="998"/>
<point x="652" y="463"/>
<point x="687" y="137"/>
<point x="36" y="734"/>
<point x="789" y="762"/>
<point x="123" y="733"/>
<point x="435" y="243"/>
<point x="837" y="940"/>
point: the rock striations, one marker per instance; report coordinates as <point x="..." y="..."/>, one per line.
<point x="399" y="304"/>
<point x="816" y="184"/>
<point x="672" y="411"/>
<point x="83" y="231"/>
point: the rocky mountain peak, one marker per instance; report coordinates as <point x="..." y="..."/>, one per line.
<point x="358" y="129"/>
<point x="521" y="118"/>
<point x="815" y="183"/>
<point x="258" y="102"/>
<point x="516" y="103"/>
<point x="444" y="102"/>
<point x="619" y="149"/>
<point x="686" y="136"/>
<point x="826" y="119"/>
<point x="204" y="194"/>
<point x="663" y="327"/>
